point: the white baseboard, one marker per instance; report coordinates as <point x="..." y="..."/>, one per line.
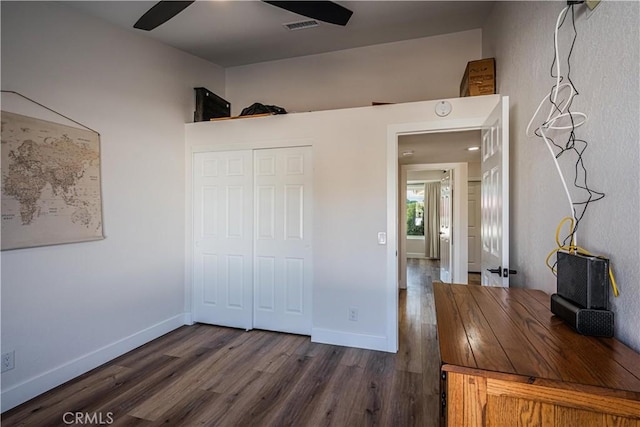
<point x="416" y="255"/>
<point x="41" y="383"/>
<point x="346" y="339"/>
<point x="188" y="319"/>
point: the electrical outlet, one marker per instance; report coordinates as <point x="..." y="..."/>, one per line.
<point x="8" y="361"/>
<point x="353" y="314"/>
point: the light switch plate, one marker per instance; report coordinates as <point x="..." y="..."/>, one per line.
<point x="382" y="238"/>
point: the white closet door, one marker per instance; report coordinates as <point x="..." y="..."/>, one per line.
<point x="282" y="261"/>
<point x="223" y="238"/>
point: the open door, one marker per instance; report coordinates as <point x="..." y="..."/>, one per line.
<point x="495" y="197"/>
<point x="446" y="222"/>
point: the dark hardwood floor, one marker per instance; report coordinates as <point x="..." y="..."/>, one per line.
<point x="433" y="265"/>
<point x="214" y="376"/>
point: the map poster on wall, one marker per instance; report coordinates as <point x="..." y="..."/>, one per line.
<point x="50" y="183"/>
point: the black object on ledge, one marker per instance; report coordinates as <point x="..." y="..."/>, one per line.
<point x="209" y="106"/>
<point x="258" y="108"/>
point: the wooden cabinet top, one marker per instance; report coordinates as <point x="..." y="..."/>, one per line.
<point x="512" y="331"/>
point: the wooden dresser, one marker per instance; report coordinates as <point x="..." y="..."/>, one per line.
<point x="507" y="361"/>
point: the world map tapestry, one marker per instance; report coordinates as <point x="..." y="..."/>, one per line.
<point x="50" y="183"/>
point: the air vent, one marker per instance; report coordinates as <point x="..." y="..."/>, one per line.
<point x="301" y="25"/>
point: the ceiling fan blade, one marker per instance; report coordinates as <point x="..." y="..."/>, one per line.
<point x="160" y="13"/>
<point x="326" y="11"/>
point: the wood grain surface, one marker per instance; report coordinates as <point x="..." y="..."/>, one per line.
<point x="512" y="331"/>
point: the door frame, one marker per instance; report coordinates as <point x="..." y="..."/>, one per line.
<point x="478" y="217"/>
<point x="393" y="133"/>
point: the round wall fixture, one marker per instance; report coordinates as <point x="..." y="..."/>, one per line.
<point x="443" y="108"/>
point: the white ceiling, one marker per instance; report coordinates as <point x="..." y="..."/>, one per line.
<point x="447" y="147"/>
<point x="232" y="33"/>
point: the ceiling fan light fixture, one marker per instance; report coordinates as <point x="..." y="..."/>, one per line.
<point x="301" y="25"/>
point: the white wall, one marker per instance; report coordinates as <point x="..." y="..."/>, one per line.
<point x="415" y="247"/>
<point x="475" y="171"/>
<point x="414" y="70"/>
<point x="605" y="70"/>
<point x="350" y="203"/>
<point x="66" y="309"/>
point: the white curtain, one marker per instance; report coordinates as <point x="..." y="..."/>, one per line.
<point x="432" y="219"/>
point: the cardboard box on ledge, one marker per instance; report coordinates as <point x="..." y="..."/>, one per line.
<point x="479" y="78"/>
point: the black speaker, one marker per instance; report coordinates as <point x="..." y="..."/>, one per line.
<point x="209" y="106"/>
<point x="586" y="321"/>
<point x="584" y="280"/>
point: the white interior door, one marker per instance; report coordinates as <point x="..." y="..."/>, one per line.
<point x="282" y="266"/>
<point x="223" y="238"/>
<point x="495" y="197"/>
<point x="446" y="225"/>
<point x="475" y="219"/>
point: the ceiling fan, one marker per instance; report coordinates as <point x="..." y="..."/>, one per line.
<point x="326" y="11"/>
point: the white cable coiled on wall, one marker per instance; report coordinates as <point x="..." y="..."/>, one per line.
<point x="559" y="115"/>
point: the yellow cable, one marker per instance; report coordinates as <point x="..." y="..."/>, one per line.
<point x="572" y="248"/>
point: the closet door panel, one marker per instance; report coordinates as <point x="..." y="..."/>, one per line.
<point x="283" y="182"/>
<point x="223" y="238"/>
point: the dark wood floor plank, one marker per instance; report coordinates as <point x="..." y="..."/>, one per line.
<point x="193" y="377"/>
<point x="408" y="405"/>
<point x="202" y="372"/>
<point x="239" y="355"/>
<point x="309" y="390"/>
<point x="187" y="409"/>
<point x="154" y="349"/>
<point x="334" y="407"/>
<point x="208" y="375"/>
<point x="233" y="404"/>
<point x="129" y="421"/>
<point x="273" y="395"/>
<point x="427" y="311"/>
<point x="47" y="410"/>
<point x="410" y="343"/>
<point x="374" y="400"/>
<point x="272" y="358"/>
<point x="160" y="380"/>
<point x="356" y="357"/>
<point x="202" y="337"/>
<point x="430" y="360"/>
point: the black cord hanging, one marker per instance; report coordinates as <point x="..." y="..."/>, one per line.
<point x="50" y="109"/>
<point x="574" y="144"/>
